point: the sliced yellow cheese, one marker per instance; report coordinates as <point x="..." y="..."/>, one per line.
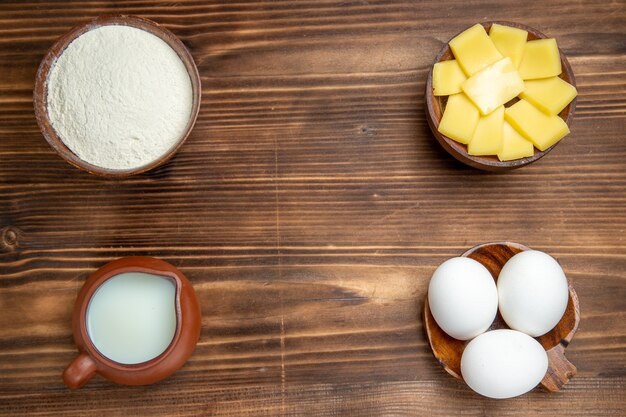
<point x="510" y="41"/>
<point x="447" y="78"/>
<point x="459" y="119"/>
<point x="542" y="130"/>
<point x="474" y="50"/>
<point x="487" y="139"/>
<point x="493" y="86"/>
<point x="514" y="146"/>
<point x="550" y="95"/>
<point x="541" y="59"/>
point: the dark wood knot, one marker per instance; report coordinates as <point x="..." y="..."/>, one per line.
<point x="10" y="237"/>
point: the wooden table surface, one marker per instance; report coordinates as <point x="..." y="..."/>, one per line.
<point x="309" y="208"/>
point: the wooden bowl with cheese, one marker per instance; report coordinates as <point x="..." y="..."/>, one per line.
<point x="436" y="105"/>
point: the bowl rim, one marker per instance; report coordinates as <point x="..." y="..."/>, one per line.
<point x="40" y="91"/>
<point x="434" y="109"/>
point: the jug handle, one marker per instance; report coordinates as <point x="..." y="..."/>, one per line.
<point x="79" y="371"/>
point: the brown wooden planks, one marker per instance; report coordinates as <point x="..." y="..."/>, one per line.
<point x="309" y="207"/>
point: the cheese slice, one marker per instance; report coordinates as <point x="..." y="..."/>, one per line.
<point x="550" y="95"/>
<point x="510" y="41"/>
<point x="447" y="78"/>
<point x="487" y="139"/>
<point x="474" y="50"/>
<point x="541" y="59"/>
<point x="459" y="119"/>
<point x="514" y="145"/>
<point x="542" y="130"/>
<point x="493" y="86"/>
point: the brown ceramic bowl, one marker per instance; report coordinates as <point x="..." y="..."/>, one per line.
<point x="41" y="92"/>
<point x="448" y="350"/>
<point x="436" y="104"/>
<point x="188" y="319"/>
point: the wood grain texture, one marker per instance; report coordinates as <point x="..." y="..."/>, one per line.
<point x="309" y="207"/>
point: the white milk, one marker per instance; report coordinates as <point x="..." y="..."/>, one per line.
<point x="131" y="318"/>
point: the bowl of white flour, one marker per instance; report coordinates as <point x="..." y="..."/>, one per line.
<point x="117" y="96"/>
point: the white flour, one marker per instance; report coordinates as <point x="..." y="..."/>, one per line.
<point x="119" y="97"/>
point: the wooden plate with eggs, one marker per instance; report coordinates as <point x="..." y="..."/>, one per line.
<point x="448" y="350"/>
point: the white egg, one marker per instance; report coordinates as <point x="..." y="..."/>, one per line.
<point x="503" y="363"/>
<point x="463" y="298"/>
<point x="532" y="292"/>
